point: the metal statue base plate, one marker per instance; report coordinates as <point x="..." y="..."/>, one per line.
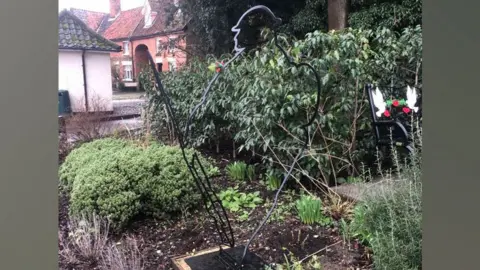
<point x="206" y="260"/>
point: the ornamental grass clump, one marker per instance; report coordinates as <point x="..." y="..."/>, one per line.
<point x="310" y="211"/>
<point x="240" y="171"/>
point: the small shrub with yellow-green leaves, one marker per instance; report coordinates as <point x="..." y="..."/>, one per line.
<point x="310" y="211"/>
<point x="240" y="171"/>
<point x="235" y="201"/>
<point x="120" y="179"/>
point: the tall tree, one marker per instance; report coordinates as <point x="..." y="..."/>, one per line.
<point x="393" y="14"/>
<point x="313" y="16"/>
<point x="210" y="21"/>
<point x="337" y="14"/>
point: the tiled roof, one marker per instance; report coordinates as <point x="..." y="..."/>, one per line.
<point x="91" y="18"/>
<point x="123" y="26"/>
<point x="74" y="34"/>
<point x="129" y="23"/>
<point x="159" y="24"/>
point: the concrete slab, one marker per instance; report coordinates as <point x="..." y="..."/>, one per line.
<point x="357" y="191"/>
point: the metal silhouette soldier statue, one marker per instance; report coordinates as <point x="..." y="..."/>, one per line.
<point x="234" y="257"/>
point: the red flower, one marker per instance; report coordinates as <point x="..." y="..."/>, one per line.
<point x="406" y="109"/>
<point x="395" y="103"/>
<point x="386" y="113"/>
<point x="219" y="67"/>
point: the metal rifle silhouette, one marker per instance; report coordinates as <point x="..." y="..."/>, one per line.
<point x="212" y="204"/>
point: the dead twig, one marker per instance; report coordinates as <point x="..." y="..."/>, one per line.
<point x="318" y="251"/>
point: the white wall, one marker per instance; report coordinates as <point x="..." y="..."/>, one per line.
<point x="70" y="77"/>
<point x="99" y="80"/>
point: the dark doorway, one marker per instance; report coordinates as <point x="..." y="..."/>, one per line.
<point x="159" y="67"/>
<point x="141" y="58"/>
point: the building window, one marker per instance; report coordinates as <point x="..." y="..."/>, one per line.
<point x="116" y="71"/>
<point x="172" y="65"/>
<point x="127" y="73"/>
<point x="159" y="45"/>
<point x="171" y="45"/>
<point x="159" y="67"/>
<point x="126" y="50"/>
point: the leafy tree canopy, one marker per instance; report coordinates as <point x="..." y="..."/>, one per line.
<point x="210" y="21"/>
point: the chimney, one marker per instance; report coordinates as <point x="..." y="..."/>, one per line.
<point x="114" y="8"/>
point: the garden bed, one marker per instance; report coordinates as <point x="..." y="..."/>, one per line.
<point x="159" y="242"/>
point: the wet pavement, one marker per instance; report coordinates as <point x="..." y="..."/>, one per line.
<point x="128" y="106"/>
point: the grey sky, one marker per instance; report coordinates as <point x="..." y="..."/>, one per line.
<point x="97" y="5"/>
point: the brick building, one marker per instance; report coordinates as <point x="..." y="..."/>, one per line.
<point x="139" y="30"/>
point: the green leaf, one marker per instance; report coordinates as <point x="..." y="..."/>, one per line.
<point x="336" y="55"/>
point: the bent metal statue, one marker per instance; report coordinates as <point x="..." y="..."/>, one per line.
<point x="211" y="202"/>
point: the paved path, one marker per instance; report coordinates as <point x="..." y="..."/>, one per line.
<point x="358" y="191"/>
<point x="119" y="95"/>
<point x="128" y="101"/>
<point x="128" y="106"/>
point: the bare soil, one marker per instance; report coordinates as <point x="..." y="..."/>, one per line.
<point x="159" y="241"/>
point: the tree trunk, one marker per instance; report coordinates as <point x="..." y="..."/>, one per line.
<point x="234" y="150"/>
<point x="337" y="14"/>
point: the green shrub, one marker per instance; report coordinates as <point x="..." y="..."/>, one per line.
<point x="357" y="226"/>
<point x="120" y="180"/>
<point x="310" y="211"/>
<point x="261" y="101"/>
<point x="389" y="220"/>
<point x="235" y="201"/>
<point x="392" y="221"/>
<point x="354" y="228"/>
<point x="240" y="171"/>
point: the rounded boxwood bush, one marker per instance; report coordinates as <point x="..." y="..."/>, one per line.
<point x="119" y="179"/>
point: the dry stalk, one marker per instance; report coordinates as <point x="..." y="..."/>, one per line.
<point x="88" y="126"/>
<point x="301" y="170"/>
<point x="123" y="256"/>
<point x="318" y="251"/>
<point x="88" y="236"/>
<point x="65" y="250"/>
